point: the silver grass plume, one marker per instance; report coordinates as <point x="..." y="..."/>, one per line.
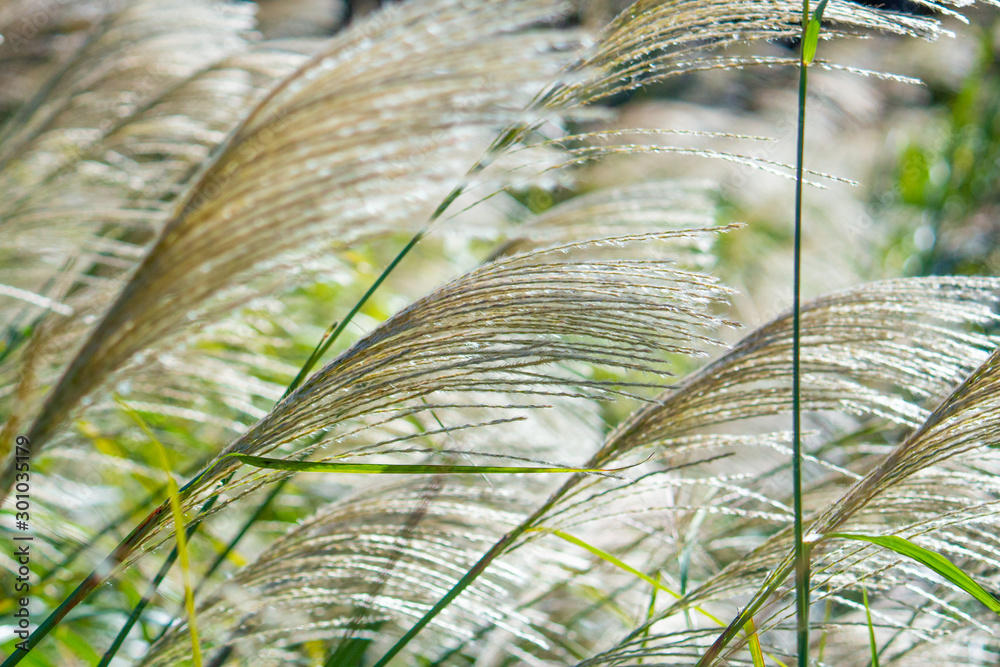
<point x="357" y="553"/>
<point x="89" y="190"/>
<point x="842" y="481"/>
<point x="510" y="327"/>
<point x="188" y="264"/>
<point x="289" y="175"/>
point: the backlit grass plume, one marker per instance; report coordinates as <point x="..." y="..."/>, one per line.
<point x="196" y="220"/>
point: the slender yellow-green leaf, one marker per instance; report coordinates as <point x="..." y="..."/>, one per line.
<point x="934" y="561"/>
<point x="655" y="583"/>
<point x="609" y="558"/>
<point x="871" y="628"/>
<point x="826" y="631"/>
<point x="755" y="653"/>
<point x="179" y="529"/>
<point x="811" y="39"/>
<point x="749" y="627"/>
<point x="401" y="468"/>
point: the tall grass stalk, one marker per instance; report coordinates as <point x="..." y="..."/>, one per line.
<point x="801" y="549"/>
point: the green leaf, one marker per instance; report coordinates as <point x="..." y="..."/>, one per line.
<point x="934" y="561"/>
<point x="810" y="40"/>
<point x="756" y="654"/>
<point x="613" y="560"/>
<point x="180" y="530"/>
<point x="871" y="628"/>
<point x="818" y="12"/>
<point x="400" y="468"/>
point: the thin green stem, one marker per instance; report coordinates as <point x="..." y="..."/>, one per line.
<point x="801" y="553"/>
<point x="331" y="337"/>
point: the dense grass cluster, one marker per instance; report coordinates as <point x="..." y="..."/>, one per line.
<point x="323" y="347"/>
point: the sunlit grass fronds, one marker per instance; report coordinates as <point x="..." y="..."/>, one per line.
<point x="508" y="326"/>
<point x="188" y="253"/>
<point x="117" y="61"/>
<point x="674" y="38"/>
<point x="953" y="515"/>
<point x="638" y="208"/>
<point x="96" y="191"/>
<point x="736" y="387"/>
<point x="318" y="158"/>
<point x="965" y="421"/>
<point x="930" y="559"/>
<point x="953" y="512"/>
<point x="85" y="191"/>
<point x="355" y="569"/>
<point x="917" y="346"/>
<point x="514" y="326"/>
<point x="909" y="325"/>
<point x="942" y="342"/>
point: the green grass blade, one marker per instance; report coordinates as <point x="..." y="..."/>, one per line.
<point x="756" y="654"/>
<point x="931" y="559"/>
<point x="871" y="628"/>
<point x="809" y="41"/>
<point x="179" y="529"/>
<point x="402" y="468"/>
<point x="352" y="651"/>
<point x="182" y="551"/>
